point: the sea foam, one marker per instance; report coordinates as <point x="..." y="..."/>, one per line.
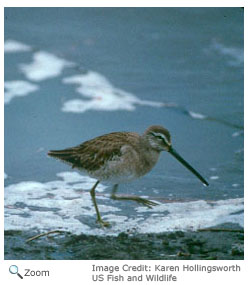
<point x="12" y="46"/>
<point x="66" y="204"/>
<point x="44" y="66"/>
<point x="18" y="88"/>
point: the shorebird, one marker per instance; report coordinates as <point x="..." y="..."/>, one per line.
<point x="121" y="157"/>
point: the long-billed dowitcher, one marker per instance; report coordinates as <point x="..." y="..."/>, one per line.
<point x="121" y="157"/>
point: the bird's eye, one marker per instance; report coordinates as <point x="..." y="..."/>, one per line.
<point x="162" y="139"/>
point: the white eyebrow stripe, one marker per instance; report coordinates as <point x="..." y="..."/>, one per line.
<point x="161" y="135"/>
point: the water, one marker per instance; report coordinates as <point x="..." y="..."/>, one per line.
<point x="72" y="74"/>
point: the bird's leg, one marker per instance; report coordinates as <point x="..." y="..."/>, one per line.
<point x="137" y="199"/>
<point x="93" y="196"/>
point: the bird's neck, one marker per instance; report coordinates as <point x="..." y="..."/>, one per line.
<point x="149" y="155"/>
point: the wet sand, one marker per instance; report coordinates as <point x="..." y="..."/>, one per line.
<point x="227" y="244"/>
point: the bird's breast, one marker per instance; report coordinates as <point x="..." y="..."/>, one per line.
<point x="147" y="161"/>
<point x="138" y="161"/>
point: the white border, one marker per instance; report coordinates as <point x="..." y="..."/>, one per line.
<point x="122" y="3"/>
<point x="79" y="272"/>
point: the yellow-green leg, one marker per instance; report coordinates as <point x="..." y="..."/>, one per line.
<point x="137" y="199"/>
<point x="93" y="196"/>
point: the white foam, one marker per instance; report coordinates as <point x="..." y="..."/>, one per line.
<point x="100" y="94"/>
<point x="234" y="55"/>
<point x="236" y="134"/>
<point x="44" y="65"/>
<point x="194" y="215"/>
<point x="80" y="181"/>
<point x="215" y="177"/>
<point x="12" y="46"/>
<point x="197" y="115"/>
<point x="18" y="88"/>
<point x="59" y="204"/>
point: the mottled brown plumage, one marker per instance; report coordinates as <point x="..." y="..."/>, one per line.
<point x="120" y="157"/>
<point x="93" y="154"/>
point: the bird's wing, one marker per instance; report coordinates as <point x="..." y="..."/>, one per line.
<point x="93" y="154"/>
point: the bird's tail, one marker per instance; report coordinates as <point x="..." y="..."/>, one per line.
<point x="66" y="155"/>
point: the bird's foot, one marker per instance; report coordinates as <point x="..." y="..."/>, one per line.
<point x="102" y="223"/>
<point x="145" y="202"/>
<point x="137" y="199"/>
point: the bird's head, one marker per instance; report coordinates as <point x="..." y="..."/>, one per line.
<point x="159" y="139"/>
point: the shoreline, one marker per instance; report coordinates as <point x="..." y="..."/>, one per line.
<point x="214" y="244"/>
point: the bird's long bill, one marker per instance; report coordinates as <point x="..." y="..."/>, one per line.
<point x="187" y="165"/>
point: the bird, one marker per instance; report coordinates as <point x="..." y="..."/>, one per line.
<point x="121" y="157"/>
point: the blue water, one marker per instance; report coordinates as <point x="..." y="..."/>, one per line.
<point x="191" y="57"/>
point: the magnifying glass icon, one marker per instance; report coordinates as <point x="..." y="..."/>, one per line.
<point x="13" y="269"/>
